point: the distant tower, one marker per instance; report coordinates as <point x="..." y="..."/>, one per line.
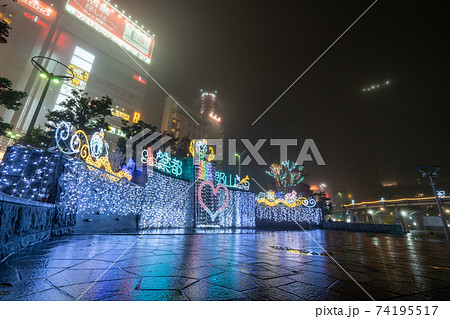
<point x="208" y="102"/>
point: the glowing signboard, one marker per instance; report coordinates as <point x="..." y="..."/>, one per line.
<point x="139" y="78"/>
<point x="79" y="73"/>
<point x="136" y="117"/>
<point x="111" y="23"/>
<point x="35" y="19"/>
<point x="38" y="7"/>
<point x="4" y="18"/>
<point x="120" y="114"/>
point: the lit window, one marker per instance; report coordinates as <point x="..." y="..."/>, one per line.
<point x="81" y="63"/>
<point x="88" y="57"/>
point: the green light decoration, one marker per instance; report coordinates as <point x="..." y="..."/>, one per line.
<point x="286" y="175"/>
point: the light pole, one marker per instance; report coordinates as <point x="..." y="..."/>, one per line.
<point x="238" y="155"/>
<point x="45" y="74"/>
<point x="12" y="136"/>
<point x="239" y="165"/>
<point x="430" y="172"/>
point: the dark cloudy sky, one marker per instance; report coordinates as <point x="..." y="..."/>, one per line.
<point x="251" y="51"/>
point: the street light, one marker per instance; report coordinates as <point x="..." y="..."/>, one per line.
<point x="45" y="74"/>
<point x="12" y="136"/>
<point x="430" y="172"/>
<point x="239" y="165"/>
<point x="239" y="156"/>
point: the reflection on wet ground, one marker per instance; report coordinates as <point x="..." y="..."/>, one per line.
<point x="229" y="266"/>
<point x="303" y="251"/>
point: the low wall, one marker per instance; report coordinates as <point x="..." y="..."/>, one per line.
<point x="280" y="217"/>
<point x="368" y="228"/>
<point x="25" y="222"/>
<point x="99" y="223"/>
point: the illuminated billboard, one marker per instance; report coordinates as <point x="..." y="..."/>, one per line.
<point x="40" y="8"/>
<point x="107" y="20"/>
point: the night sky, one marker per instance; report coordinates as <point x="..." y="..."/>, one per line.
<point x="251" y="51"/>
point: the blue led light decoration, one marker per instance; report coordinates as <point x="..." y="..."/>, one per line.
<point x="30" y="174"/>
<point x="167" y="202"/>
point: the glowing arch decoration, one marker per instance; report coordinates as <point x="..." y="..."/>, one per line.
<point x="200" y="147"/>
<point x="289" y="200"/>
<point x="98" y="144"/>
<point x="93" y="152"/>
<point x="215" y="190"/>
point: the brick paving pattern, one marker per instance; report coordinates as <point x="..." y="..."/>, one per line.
<point x="229" y="267"/>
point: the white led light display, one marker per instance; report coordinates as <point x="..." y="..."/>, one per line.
<point x="166" y="203"/>
<point x="280" y="214"/>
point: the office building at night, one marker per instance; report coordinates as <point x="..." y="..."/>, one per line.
<point x="108" y="53"/>
<point x="175" y="120"/>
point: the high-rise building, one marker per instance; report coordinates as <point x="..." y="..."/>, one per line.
<point x="208" y="102"/>
<point x="107" y="51"/>
<point x="180" y="121"/>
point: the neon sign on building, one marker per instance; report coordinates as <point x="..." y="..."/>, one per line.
<point x="40" y="8"/>
<point x="107" y="20"/>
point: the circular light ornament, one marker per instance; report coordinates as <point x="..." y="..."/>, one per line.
<point x="96" y="144"/>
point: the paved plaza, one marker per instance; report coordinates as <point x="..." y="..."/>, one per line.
<point x="229" y="266"/>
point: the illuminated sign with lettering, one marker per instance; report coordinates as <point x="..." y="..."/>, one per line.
<point x="111" y="23"/>
<point x="139" y="78"/>
<point x="35" y="19"/>
<point x="79" y="73"/>
<point x="76" y="83"/>
<point x="40" y="8"/>
<point x="120" y="114"/>
<point x="116" y="131"/>
<point x="136" y="117"/>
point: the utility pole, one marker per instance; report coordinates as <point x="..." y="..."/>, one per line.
<point x="37" y="62"/>
<point x="430" y="172"/>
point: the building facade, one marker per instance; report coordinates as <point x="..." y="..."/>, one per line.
<point x="108" y="53"/>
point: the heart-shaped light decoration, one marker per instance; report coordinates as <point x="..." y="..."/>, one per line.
<point x="215" y="190"/>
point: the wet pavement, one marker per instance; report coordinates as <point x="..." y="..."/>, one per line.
<point x="229" y="266"/>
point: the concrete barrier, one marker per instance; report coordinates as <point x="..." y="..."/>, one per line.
<point x="368" y="228"/>
<point x="25" y="222"/>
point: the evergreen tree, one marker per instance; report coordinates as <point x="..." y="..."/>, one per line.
<point x="10" y="99"/>
<point x="83" y="112"/>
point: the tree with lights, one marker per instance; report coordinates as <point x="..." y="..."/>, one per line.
<point x="286" y="176"/>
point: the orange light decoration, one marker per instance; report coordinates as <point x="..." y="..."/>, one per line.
<point x="383" y="201"/>
<point x="79" y="144"/>
<point x="136" y="117"/>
